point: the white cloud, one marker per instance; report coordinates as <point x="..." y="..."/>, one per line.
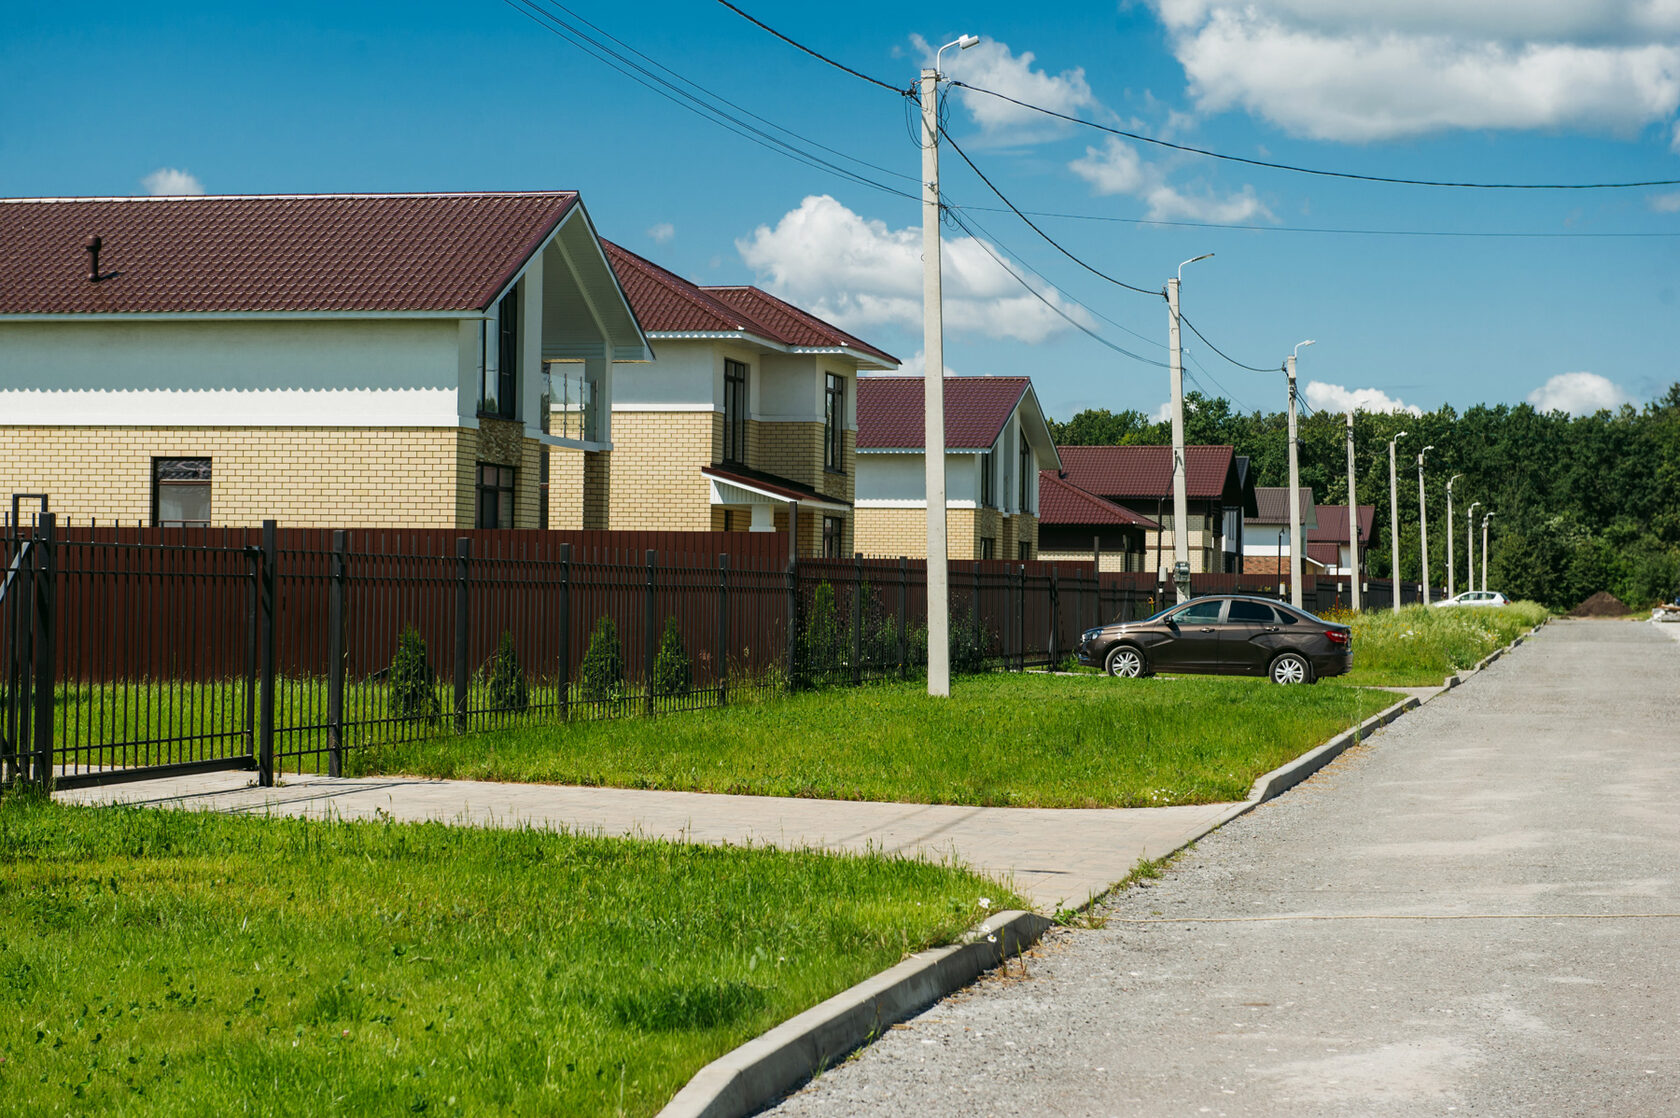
<point x="858" y="273"/>
<point x="171" y="182"/>
<point x="1665" y="203"/>
<point x="1116" y="168"/>
<point x="992" y="65"/>
<point x="1390" y="68"/>
<point x="1163" y="413"/>
<point x="916" y="365"/>
<point x="1578" y="394"/>
<point x="1336" y="398"/>
<point x="661" y="233"/>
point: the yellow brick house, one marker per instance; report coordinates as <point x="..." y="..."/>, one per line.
<point x="321" y="359"/>
<point x="746" y="416"/>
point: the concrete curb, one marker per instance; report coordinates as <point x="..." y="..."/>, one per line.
<point x="761" y="1071"/>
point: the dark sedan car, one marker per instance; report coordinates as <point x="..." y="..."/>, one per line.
<point x="1225" y="634"/>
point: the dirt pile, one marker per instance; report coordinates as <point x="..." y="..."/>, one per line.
<point x="1601" y="604"/>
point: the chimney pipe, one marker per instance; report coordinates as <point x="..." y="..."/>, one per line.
<point x="93" y="247"/>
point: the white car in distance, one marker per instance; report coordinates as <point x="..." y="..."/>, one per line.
<point x="1476" y="598"/>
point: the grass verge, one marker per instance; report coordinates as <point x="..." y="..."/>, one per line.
<point x="1420" y="646"/>
<point x="1027" y="740"/>
<point x="190" y="963"/>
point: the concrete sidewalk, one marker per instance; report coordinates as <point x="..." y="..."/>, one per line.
<point x="1052" y="856"/>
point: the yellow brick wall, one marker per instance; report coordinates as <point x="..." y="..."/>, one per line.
<point x="655" y="480"/>
<point x="892" y="532"/>
<point x="300" y="476"/>
<point x="899" y="531"/>
<point x="565" y="487"/>
<point x="795" y="451"/>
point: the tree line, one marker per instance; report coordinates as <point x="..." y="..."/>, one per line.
<point x="1583" y="503"/>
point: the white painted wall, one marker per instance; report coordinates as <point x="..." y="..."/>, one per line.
<point x="344" y="372"/>
<point x="889" y="480"/>
<point x="684" y="376"/>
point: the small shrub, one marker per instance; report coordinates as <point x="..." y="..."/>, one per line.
<point x="508" y="690"/>
<point x="821" y="642"/>
<point x="413" y="683"/>
<point x="968" y="644"/>
<point x="672" y="672"/>
<point x="602" y="676"/>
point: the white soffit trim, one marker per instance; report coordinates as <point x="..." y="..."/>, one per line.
<point x="909" y="503"/>
<point x="738" y="493"/>
<point x="645" y="407"/>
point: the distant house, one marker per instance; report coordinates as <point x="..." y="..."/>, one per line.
<point x="321" y="359"/>
<point x="1139" y="478"/>
<point x="1074" y="524"/>
<point x="1327" y="540"/>
<point x="748" y="409"/>
<point x="997" y="442"/>
<point x="1266" y="533"/>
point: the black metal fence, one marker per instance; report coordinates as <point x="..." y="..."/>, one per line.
<point x="124" y="656"/>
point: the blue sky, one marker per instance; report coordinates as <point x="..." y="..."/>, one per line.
<point x="474" y="95"/>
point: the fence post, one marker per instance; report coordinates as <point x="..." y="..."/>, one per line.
<point x="1010" y="632"/>
<point x="1055" y="621"/>
<point x="565" y="666"/>
<point x="46" y="623"/>
<point x="265" y="622"/>
<point x="463" y="623"/>
<point x="903" y="594"/>
<point x="335" y="652"/>
<point x="722" y="667"/>
<point x="1021" y="617"/>
<point x="19" y="739"/>
<point x="857" y="618"/>
<point x="651" y="630"/>
<point x="792" y="623"/>
<point x="974" y="608"/>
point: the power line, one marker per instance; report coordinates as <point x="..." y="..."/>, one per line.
<point x="1142" y="139"/>
<point x="1330" y="229"/>
<point x="1034" y="227"/>
<point x="1222" y="353"/>
<point x="797" y="45"/>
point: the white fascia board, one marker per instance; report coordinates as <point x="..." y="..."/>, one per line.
<point x="918" y="450"/>
<point x="910" y="503"/>
<point x="657" y="407"/>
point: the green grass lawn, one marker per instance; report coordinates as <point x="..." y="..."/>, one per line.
<point x="1420" y="646"/>
<point x="1030" y="740"/>
<point x="183" y="963"/>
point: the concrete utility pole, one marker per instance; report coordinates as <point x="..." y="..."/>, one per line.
<point x="933" y="386"/>
<point x="1353" y="524"/>
<point x="1485" y="519"/>
<point x="1423" y="528"/>
<point x="1181" y="496"/>
<point x="1294" y="485"/>
<point x="1450" y="480"/>
<point x="1394" y="524"/>
<point x="1469" y="544"/>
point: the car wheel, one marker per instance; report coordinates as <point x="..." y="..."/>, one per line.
<point x="1291" y="668"/>
<point x="1125" y="662"/>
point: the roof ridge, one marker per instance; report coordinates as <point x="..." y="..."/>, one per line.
<point x="691" y="292"/>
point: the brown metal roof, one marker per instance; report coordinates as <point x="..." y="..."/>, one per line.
<point x="771" y="483"/>
<point x="890" y="413"/>
<point x="1333" y="524"/>
<point x="270" y="253"/>
<point x="1062" y="502"/>
<point x="1272" y="503"/>
<point x="666" y="303"/>
<point x="1122" y="472"/>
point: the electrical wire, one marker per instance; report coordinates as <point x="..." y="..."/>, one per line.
<point x="1222" y="353"/>
<point x="1002" y="197"/>
<point x="797" y="45"/>
<point x="1329" y="229"/>
<point x="1142" y="139"/>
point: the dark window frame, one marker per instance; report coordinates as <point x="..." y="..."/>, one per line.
<point x="834" y="424"/>
<point x="833" y="537"/>
<point x="988" y="479"/>
<point x="988" y="547"/>
<point x="495" y="495"/>
<point x="191" y="472"/>
<point x="504" y="403"/>
<point x="735" y="381"/>
<point x="1024" y="464"/>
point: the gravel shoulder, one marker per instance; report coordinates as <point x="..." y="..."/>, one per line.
<point x="1519" y="839"/>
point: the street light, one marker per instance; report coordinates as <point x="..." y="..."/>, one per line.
<point x="1485" y="519"/>
<point x="933" y="383"/>
<point x="1181" y="495"/>
<point x="1423" y="529"/>
<point x="1450" y="480"/>
<point x="1294" y="485"/>
<point x="1394" y="525"/>
<point x="1469" y="545"/>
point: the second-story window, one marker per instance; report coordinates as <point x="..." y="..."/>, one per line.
<point x="1025" y="468"/>
<point x="734" y="412"/>
<point x="988" y="480"/>
<point x="498" y="394"/>
<point x="834" y="424"/>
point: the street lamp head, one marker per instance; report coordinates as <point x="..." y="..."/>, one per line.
<point x="1298" y="345"/>
<point x="1450" y="480"/>
<point x="961" y="42"/>
<point x="1396" y="439"/>
<point x="1470" y="513"/>
<point x="1192" y="260"/>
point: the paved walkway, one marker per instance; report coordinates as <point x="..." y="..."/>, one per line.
<point x="1051" y="855"/>
<point x="1477" y="912"/>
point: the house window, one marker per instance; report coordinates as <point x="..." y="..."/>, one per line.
<point x="988" y="480"/>
<point x="734" y="411"/>
<point x="495" y="497"/>
<point x="834" y="424"/>
<point x="181" y="492"/>
<point x="834" y="532"/>
<point x="498" y="393"/>
<point x="1026" y="549"/>
<point x="1025" y="467"/>
<point x="988" y="547"/>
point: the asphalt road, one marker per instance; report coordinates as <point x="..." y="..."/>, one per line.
<point x="1487" y="872"/>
